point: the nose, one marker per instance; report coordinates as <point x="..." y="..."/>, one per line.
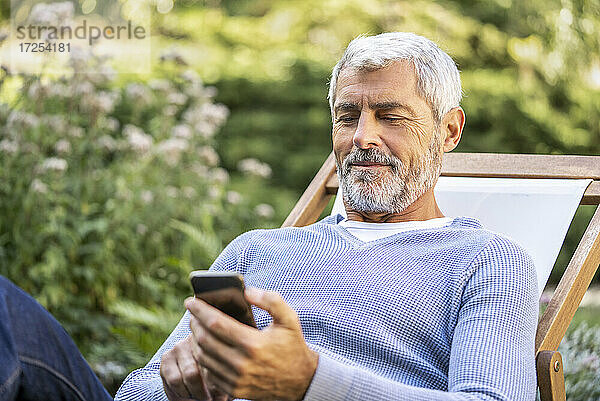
<point x="367" y="133"/>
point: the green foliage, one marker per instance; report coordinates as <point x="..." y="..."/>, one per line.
<point x="109" y="195"/>
<point x="580" y="350"/>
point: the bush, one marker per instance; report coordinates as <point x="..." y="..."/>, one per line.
<point x="109" y="195"/>
<point x="580" y="350"/>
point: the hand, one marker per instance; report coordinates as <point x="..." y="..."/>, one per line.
<point x="274" y="363"/>
<point x="183" y="378"/>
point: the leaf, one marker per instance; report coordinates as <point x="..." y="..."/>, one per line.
<point x="208" y="242"/>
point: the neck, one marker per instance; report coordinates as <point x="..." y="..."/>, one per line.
<point x="424" y="208"/>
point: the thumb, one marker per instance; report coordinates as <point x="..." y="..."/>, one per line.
<point x="272" y="302"/>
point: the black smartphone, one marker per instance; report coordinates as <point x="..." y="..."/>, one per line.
<point x="224" y="291"/>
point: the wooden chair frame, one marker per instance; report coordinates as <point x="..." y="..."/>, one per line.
<point x="579" y="273"/>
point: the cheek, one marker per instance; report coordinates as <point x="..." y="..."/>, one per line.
<point x="341" y="132"/>
<point x="408" y="142"/>
<point x="406" y="150"/>
<point x="342" y="142"/>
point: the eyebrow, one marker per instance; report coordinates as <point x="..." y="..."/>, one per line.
<point x="347" y="106"/>
<point x="350" y="106"/>
<point x="392" y="105"/>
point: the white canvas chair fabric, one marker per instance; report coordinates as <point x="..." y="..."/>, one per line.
<point x="534" y="212"/>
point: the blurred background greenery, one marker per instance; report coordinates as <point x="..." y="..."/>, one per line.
<point x="114" y="186"/>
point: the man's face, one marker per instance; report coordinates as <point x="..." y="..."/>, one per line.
<point x="386" y="142"/>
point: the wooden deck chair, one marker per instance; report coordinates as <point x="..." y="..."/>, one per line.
<point x="584" y="262"/>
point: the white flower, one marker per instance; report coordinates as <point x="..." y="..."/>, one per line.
<point x="63" y="10"/>
<point x="171" y="191"/>
<point x="182" y="131"/>
<point x="75" y="132"/>
<point x="139" y="94"/>
<point x="233" y="197"/>
<point x="214" y="114"/>
<point x="124" y="193"/>
<point x="170" y="150"/>
<point x="162" y="85"/>
<point x="210" y="91"/>
<point x="141" y="229"/>
<point x="37" y="90"/>
<point x="8" y="146"/>
<point x="170" y="111"/>
<point x="107" y="101"/>
<point x="111" y="124"/>
<point x="254" y="167"/>
<point x="41" y="14"/>
<point x="197" y="91"/>
<point x="62" y="146"/>
<point x="103" y="74"/>
<point x="83" y="88"/>
<point x="54" y="164"/>
<point x="189" y="192"/>
<point x="219" y="175"/>
<point x="191" y="76"/>
<point x="206" y="118"/>
<point x="38" y="186"/>
<point x="56" y="122"/>
<point x="101" y="102"/>
<point x="55" y="13"/>
<point x="176" y="98"/>
<point x="193" y="115"/>
<point x="138" y="140"/>
<point x="264" y="210"/>
<point x="205" y="129"/>
<point x="209" y="155"/>
<point x="110" y="368"/>
<point x="57" y="89"/>
<point x="217" y="113"/>
<point x="79" y="58"/>
<point x="18" y="120"/>
<point x="147" y="196"/>
<point x="200" y="169"/>
<point x="213" y="192"/>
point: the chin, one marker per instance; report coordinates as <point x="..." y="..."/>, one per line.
<point x="371" y="200"/>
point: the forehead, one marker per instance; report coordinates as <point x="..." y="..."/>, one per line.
<point x="396" y="83"/>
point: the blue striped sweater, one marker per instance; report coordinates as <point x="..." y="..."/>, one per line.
<point x="445" y="313"/>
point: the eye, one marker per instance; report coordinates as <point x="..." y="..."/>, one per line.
<point x="393" y="119"/>
<point x="347" y="119"/>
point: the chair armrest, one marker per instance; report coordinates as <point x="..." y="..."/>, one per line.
<point x="551" y="379"/>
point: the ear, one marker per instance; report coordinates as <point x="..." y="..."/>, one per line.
<point x="452" y="127"/>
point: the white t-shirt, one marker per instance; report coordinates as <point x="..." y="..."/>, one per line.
<point x="371" y="231"/>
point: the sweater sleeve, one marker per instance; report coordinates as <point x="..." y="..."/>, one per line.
<point x="145" y="384"/>
<point x="492" y="355"/>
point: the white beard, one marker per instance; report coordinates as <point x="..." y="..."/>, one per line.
<point x="388" y="189"/>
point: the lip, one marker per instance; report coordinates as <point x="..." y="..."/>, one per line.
<point x="369" y="164"/>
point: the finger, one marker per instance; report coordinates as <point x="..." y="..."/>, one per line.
<point x="216" y="369"/>
<point x="272" y="302"/>
<point x="191" y="376"/>
<point x="213" y="375"/>
<point x="171" y="376"/>
<point x="223" y="326"/>
<point x="221" y="384"/>
<point x="223" y="358"/>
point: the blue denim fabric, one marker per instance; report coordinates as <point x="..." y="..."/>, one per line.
<point x="38" y="359"/>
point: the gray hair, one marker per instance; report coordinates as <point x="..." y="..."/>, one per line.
<point x="438" y="79"/>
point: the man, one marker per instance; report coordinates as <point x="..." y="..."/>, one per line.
<point x="394" y="302"/>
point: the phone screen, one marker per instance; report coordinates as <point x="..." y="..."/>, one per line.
<point x="224" y="291"/>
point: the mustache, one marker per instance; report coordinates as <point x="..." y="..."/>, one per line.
<point x="372" y="155"/>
